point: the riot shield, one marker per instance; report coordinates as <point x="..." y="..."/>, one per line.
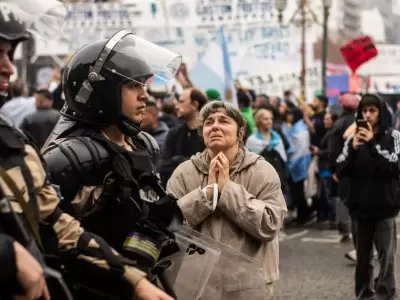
<point x="207" y="270"/>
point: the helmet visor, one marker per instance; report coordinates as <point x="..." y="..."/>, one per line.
<point x="139" y="60"/>
<point x="44" y="18"/>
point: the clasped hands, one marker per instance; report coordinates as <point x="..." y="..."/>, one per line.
<point x="218" y="173"/>
<point x="362" y="136"/>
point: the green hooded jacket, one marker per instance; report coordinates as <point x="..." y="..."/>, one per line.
<point x="248" y="115"/>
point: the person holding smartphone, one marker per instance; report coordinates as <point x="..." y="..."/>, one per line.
<point x="363" y="133"/>
<point x="370" y="162"/>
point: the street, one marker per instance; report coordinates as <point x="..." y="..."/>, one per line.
<point x="313" y="267"/>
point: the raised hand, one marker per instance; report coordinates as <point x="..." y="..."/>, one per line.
<point x="365" y="134"/>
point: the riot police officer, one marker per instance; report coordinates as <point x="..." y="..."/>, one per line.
<point x="31" y="199"/>
<point x="97" y="154"/>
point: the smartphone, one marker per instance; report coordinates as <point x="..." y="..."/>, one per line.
<point x="362" y="123"/>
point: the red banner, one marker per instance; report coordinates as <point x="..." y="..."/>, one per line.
<point x="358" y="52"/>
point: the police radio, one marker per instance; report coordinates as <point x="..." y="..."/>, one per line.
<point x="153" y="237"/>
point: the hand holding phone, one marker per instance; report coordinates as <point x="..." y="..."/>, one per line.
<point x="361" y="123"/>
<point x="364" y="131"/>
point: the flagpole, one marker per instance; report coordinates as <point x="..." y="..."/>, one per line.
<point x="229" y="91"/>
<point x="166" y="15"/>
<point x="303" y="50"/>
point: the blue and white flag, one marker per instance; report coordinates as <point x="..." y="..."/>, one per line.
<point x="214" y="70"/>
<point x="299" y="155"/>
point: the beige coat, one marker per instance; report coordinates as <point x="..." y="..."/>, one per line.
<point x="250" y="210"/>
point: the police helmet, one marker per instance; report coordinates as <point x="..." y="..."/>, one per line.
<point x="94" y="76"/>
<point x="18" y="18"/>
<point x="12" y="29"/>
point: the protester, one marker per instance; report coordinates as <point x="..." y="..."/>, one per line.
<point x="20" y="104"/>
<point x="40" y="124"/>
<point x="326" y="207"/>
<point x="340" y="132"/>
<point x="213" y="94"/>
<point x="184" y="140"/>
<point x="152" y="125"/>
<point x="261" y="101"/>
<point x="315" y="123"/>
<point x="249" y="210"/>
<point x="370" y="161"/>
<point x="245" y="99"/>
<point x="266" y="142"/>
<point x="169" y="114"/>
<point x="296" y="131"/>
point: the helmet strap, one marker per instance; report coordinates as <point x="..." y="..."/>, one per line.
<point x="128" y="127"/>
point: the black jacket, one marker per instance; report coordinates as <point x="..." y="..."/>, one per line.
<point x="323" y="159"/>
<point x="275" y="159"/>
<point x="40" y="124"/>
<point x="181" y="143"/>
<point x="373" y="172"/>
<point x="336" y="141"/>
<point x="320" y="130"/>
<point x="170" y="121"/>
<point x="323" y="153"/>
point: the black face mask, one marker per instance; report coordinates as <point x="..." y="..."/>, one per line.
<point x="128" y="127"/>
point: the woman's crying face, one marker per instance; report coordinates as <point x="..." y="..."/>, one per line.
<point x="220" y="132"/>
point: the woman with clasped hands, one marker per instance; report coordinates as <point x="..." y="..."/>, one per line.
<point x="246" y="210"/>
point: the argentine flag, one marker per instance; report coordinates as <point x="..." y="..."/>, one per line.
<point x="213" y="70"/>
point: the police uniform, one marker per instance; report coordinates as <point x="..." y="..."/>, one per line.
<point x="12" y="31"/>
<point x="32" y="200"/>
<point x="24" y="166"/>
<point x="95" y="187"/>
<point x="112" y="190"/>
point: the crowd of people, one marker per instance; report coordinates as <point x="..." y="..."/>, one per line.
<point x="310" y="146"/>
<point x="339" y="169"/>
<point x="122" y="168"/>
<point x="305" y="143"/>
<point x="301" y="141"/>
